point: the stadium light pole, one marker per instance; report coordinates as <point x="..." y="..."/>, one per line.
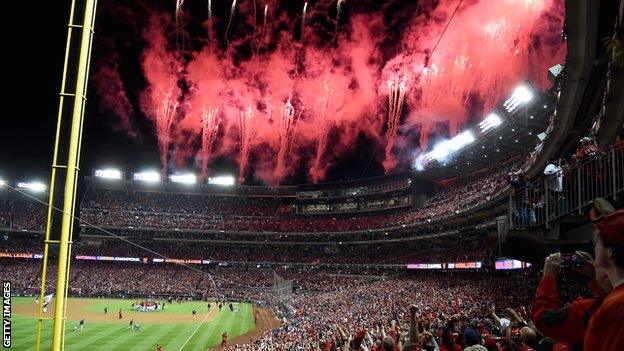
<point x="71" y="167"/>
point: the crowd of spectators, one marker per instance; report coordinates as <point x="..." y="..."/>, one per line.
<point x="484" y="219"/>
<point x="239" y="282"/>
<point x="343" y="308"/>
<point x="327" y="306"/>
<point x="203" y="212"/>
<point x="174" y="203"/>
<point x="107" y="279"/>
<point x="22" y="214"/>
<point x="466" y="249"/>
<point x="443" y="304"/>
<point x="565" y="186"/>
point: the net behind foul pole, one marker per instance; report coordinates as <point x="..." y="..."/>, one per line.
<point x="283" y="293"/>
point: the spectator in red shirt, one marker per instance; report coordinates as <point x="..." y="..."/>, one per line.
<point x="606" y="327"/>
<point x="566" y="324"/>
<point x="588" y="148"/>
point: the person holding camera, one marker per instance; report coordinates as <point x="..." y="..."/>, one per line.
<point x="566" y="324"/>
<point x="569" y="324"/>
<point x="605" y="330"/>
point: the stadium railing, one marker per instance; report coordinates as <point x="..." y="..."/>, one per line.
<point x="540" y="202"/>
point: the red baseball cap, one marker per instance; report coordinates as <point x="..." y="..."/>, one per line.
<point x="608" y="221"/>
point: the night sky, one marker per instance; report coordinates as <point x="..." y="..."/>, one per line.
<point x="28" y="131"/>
<point x="36" y="61"/>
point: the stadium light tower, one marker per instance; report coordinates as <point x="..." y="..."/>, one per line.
<point x="520" y="96"/>
<point x="441" y="150"/>
<point x="148" y="177"/>
<point x="32" y="186"/>
<point x="222" y="180"/>
<point x="68" y="139"/>
<point x="492" y="121"/>
<point x="187" y="178"/>
<point x="420" y="163"/>
<point x="108" y="173"/>
<point x="462" y="140"/>
<point x="448" y="147"/>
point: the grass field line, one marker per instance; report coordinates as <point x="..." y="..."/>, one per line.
<point x="195" y="331"/>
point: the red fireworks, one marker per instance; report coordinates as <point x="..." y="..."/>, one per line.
<point x="210" y="129"/>
<point x="254" y="107"/>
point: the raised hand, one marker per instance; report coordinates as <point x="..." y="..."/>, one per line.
<point x="552" y="264"/>
<point x="588" y="264"/>
<point x="514" y="315"/>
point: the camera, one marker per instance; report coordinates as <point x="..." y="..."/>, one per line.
<point x="571" y="261"/>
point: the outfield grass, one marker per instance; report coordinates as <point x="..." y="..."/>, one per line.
<point x="114" y="335"/>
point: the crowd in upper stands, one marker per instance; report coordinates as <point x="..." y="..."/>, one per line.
<point x="243" y="213"/>
<point x="22" y="214"/>
<point x="114" y="201"/>
<point x="120" y="211"/>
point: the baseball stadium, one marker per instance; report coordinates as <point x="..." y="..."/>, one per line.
<point x="322" y="175"/>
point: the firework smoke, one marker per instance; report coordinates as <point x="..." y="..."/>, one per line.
<point x="264" y="20"/>
<point x="338" y="10"/>
<point x="288" y="127"/>
<point x="303" y="18"/>
<point x="178" y="9"/>
<point x="247" y="131"/>
<point x="178" y="22"/>
<point x="343" y="81"/>
<point x="321" y="122"/>
<point x="396" y="99"/>
<point x="165" y="113"/>
<point x="232" y="9"/>
<point x="160" y="100"/>
<point x="210" y="129"/>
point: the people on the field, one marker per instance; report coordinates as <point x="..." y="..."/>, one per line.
<point x="224" y="338"/>
<point x="80" y="326"/>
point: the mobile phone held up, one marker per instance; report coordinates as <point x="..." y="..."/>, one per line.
<point x="571" y="261"/>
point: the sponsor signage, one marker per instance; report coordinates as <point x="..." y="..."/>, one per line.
<point x="511" y="264"/>
<point x="449" y="265"/>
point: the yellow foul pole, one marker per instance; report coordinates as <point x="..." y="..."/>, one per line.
<point x="73" y="157"/>
<point x="55" y="166"/>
